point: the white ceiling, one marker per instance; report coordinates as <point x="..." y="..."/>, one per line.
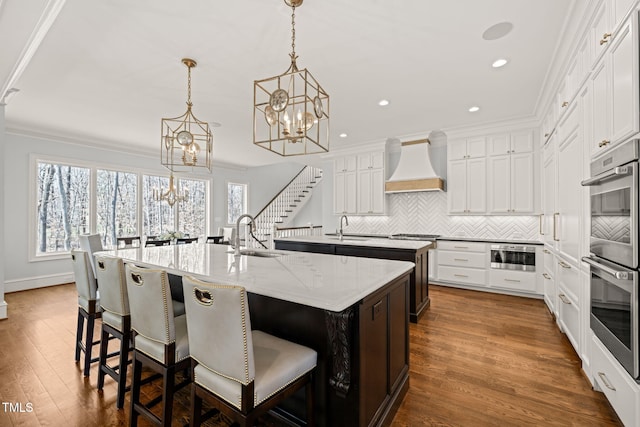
<point x="108" y="71"/>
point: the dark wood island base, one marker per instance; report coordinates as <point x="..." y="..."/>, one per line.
<point x="419" y="282"/>
<point x="363" y="354"/>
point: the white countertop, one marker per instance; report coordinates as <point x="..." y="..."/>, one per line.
<point x="361" y="241"/>
<point x="328" y="282"/>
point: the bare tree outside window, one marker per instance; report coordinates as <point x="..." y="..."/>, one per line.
<point x="192" y="214"/>
<point x="116" y="203"/>
<point x="159" y="217"/>
<point x="236" y="201"/>
<point x="62" y="206"/>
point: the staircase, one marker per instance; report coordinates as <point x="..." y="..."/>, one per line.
<point x="286" y="204"/>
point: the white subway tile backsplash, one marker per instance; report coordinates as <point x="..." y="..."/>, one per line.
<point x="426" y="213"/>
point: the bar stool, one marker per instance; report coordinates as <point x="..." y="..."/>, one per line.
<point x="242" y="373"/>
<point x="160" y="340"/>
<point x="91" y="243"/>
<point x="116" y="321"/>
<point x="88" y="306"/>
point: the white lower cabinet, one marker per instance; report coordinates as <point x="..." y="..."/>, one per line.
<point x="549" y="278"/>
<point x="611" y="378"/>
<point x="523" y="281"/>
<point x="569" y="297"/>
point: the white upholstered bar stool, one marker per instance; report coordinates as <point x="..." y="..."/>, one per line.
<point x="116" y="321"/>
<point x="160" y="340"/>
<point x="242" y="373"/>
<point x="91" y="243"/>
<point x="88" y="307"/>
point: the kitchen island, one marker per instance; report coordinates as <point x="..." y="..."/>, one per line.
<point x="375" y="247"/>
<point x="352" y="311"/>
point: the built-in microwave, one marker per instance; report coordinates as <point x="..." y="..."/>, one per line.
<point x="513" y="257"/>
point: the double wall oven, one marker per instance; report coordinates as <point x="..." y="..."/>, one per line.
<point x="613" y="189"/>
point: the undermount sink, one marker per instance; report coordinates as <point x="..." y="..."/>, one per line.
<point x="263" y="254"/>
<point x="359" y="239"/>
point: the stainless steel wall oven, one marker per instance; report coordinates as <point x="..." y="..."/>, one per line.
<point x="613" y="190"/>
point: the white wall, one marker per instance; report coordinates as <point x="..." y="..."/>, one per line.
<point x="19" y="273"/>
<point x="3" y="139"/>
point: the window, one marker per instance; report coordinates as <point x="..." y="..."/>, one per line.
<point x="116" y="203"/>
<point x="62" y="206"/>
<point x="236" y="201"/>
<point x="69" y="200"/>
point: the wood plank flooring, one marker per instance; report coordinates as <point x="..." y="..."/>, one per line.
<point x="477" y="359"/>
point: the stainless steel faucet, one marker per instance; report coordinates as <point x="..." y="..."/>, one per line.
<point x="237" y="239"/>
<point x="346" y="220"/>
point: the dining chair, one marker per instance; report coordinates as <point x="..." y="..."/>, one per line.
<point x="116" y="321"/>
<point x="242" y="373"/>
<point x="186" y="240"/>
<point x="128" y="242"/>
<point x="88" y="307"/>
<point x="91" y="243"/>
<point x="160" y="340"/>
<point x="157" y="243"/>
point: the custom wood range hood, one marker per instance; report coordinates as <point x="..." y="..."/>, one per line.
<point x="414" y="171"/>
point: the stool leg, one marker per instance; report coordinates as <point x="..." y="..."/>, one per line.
<point x="79" y="329"/>
<point x="196" y="407"/>
<point x="122" y="370"/>
<point x="88" y="345"/>
<point x="135" y="390"/>
<point x="167" y="397"/>
<point x="104" y="342"/>
<point x="311" y="422"/>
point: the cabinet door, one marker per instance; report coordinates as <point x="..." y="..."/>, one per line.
<point x="364" y="191"/>
<point x="521" y="182"/>
<point x="457" y="150"/>
<point x="549" y="196"/>
<point x="457" y="186"/>
<point x="377" y="160"/>
<point x="350" y="192"/>
<point x="621" y="7"/>
<point x="364" y="161"/>
<point x="624" y="88"/>
<point x="477" y="185"/>
<point x="476" y="147"/>
<point x="569" y="200"/>
<point x="600" y="28"/>
<point x="499" y="144"/>
<point x="377" y="191"/>
<point x="499" y="183"/>
<point x="601" y="113"/>
<point x="522" y="142"/>
<point x="339" y="196"/>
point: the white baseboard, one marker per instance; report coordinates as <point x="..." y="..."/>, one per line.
<point x="27" y="283"/>
<point x="3" y="310"/>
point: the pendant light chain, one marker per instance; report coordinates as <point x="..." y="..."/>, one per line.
<point x="189" y="87"/>
<point x="293" y="34"/>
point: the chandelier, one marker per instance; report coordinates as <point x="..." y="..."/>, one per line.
<point x="186" y="141"/>
<point x="171" y="194"/>
<point x="291" y="110"/>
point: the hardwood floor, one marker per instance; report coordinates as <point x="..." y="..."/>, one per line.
<point x="477" y="359"/>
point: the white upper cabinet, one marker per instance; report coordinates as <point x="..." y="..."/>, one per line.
<point x="467" y="148"/>
<point x="499" y="144"/>
<point x="615" y="90"/>
<point x="359" y="184"/>
<point x="601" y="30"/>
<point x="467" y="186"/>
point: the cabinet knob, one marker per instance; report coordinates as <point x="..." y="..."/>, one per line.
<point x="604" y="40"/>
<point x="603" y="142"/>
<point x="565" y="103"/>
<point x="546" y="135"/>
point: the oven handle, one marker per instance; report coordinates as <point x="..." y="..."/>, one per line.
<point x="621" y="275"/>
<point x="617" y="171"/>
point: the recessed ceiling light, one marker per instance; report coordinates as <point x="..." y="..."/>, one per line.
<point x="474" y="109"/>
<point x="343" y="135"/>
<point x="499" y="63"/>
<point x="383" y="102"/>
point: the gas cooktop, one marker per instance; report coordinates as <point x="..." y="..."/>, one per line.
<point x="405" y="236"/>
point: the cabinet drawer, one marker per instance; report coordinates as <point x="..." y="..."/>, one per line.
<point x="549" y="260"/>
<point x="449" y="245"/>
<point x="569" y="317"/>
<point x="514" y="280"/>
<point x="569" y="278"/>
<point x="462" y="259"/>
<point x="614" y="382"/>
<point x="462" y="275"/>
